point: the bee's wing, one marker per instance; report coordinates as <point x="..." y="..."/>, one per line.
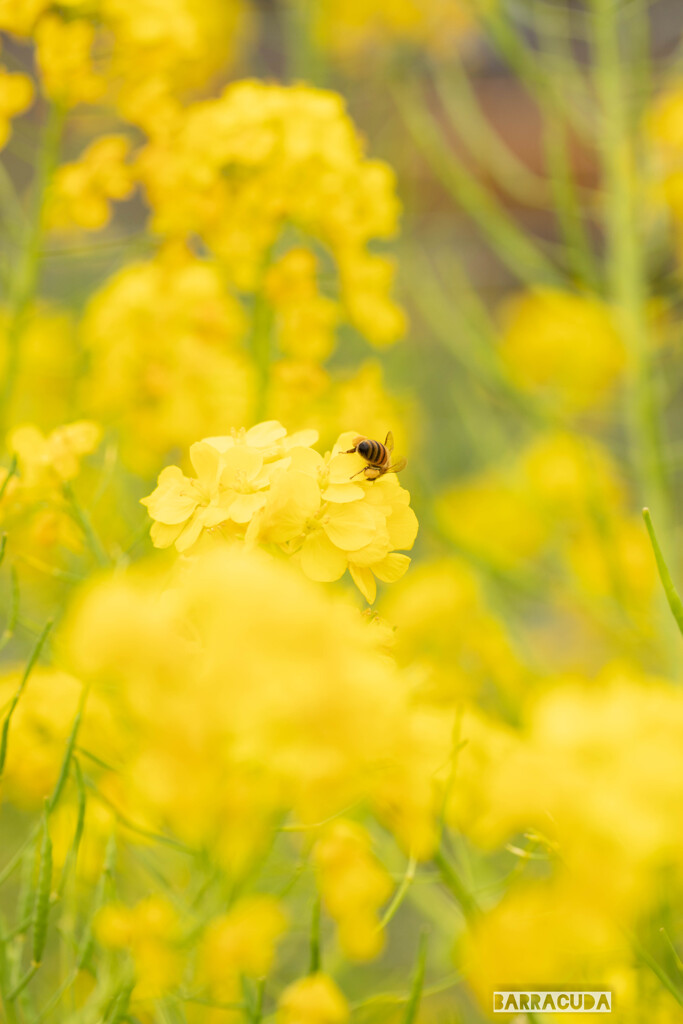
<point x="389" y="442"/>
<point x="397" y="466"/>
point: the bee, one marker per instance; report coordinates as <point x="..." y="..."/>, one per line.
<point x="377" y="456"/>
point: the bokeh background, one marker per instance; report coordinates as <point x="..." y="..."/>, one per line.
<point x="458" y="220"/>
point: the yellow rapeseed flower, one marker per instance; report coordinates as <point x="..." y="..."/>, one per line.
<point x="81" y="191"/>
<point x="241" y="942"/>
<point x="313" y="1000"/>
<point x="64" y="51"/>
<point x="16" y="96"/>
<point x="319" y="510"/>
<point x="353" y="885"/>
<point x="47" y="460"/>
<point x="564" y="347"/>
<point x="150" y="932"/>
<point x="243" y="657"/>
<point x="238" y="169"/>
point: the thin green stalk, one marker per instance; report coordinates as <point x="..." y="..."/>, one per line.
<point x="581" y="258"/>
<point x="413" y="1007"/>
<point x="83" y="519"/>
<point x="625" y="253"/>
<point x="512" y="246"/>
<point x="672" y="596"/>
<point x="647" y="958"/>
<point x="14" y="465"/>
<point x="68" y="752"/>
<point x="7" y="1003"/>
<point x="11" y="625"/>
<point x="462" y="106"/>
<point x="35" y="654"/>
<point x="23" y="291"/>
<point x="23" y="982"/>
<point x="315" y="957"/>
<point x="457" y="887"/>
<point x="400" y="893"/>
<point x="524" y="62"/>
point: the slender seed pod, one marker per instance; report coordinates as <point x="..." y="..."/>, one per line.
<point x="41" y="908"/>
<point x="66" y="761"/>
<point x="71" y="856"/>
<point x="26" y="881"/>
<point x="101" y="893"/>
<point x="35" y="654"/>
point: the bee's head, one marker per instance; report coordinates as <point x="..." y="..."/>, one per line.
<point x="364" y="448"/>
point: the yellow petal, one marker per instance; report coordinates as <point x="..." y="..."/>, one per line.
<point x="392" y="567"/>
<point x="302" y="438"/>
<point x="351" y="526"/>
<point x="221" y="444"/>
<point x="402" y="526"/>
<point x="343" y="493"/>
<point x="245" y="506"/>
<point x="206" y="461"/>
<point x="378" y="548"/>
<point x="240" y="463"/>
<point x="365" y="581"/>
<point x="294" y="498"/>
<point x="305" y="460"/>
<point x="344" y="467"/>
<point x="263" y="435"/>
<point x="163" y="535"/>
<point x="345" y="441"/>
<point x="190" y="533"/>
<point x="321" y="560"/>
<point x="174" y="499"/>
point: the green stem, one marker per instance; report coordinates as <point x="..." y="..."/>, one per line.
<point x="462" y="106"/>
<point x="627" y="284"/>
<point x="83" y="519"/>
<point x="315" y="959"/>
<point x="672" y="596"/>
<point x="413" y="1007"/>
<point x="23" y="982"/>
<point x="514" y="248"/>
<point x="457" y="887"/>
<point x="647" y="958"/>
<point x="23" y="292"/>
<point x="35" y="654"/>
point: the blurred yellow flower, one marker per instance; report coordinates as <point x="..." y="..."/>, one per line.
<point x="189" y="670"/>
<point x="64" y="52"/>
<point x="150" y="932"/>
<point x="313" y="1000"/>
<point x="48" y="460"/>
<point x="597" y="770"/>
<point x="239" y="168"/>
<point x="16" y="96"/>
<point x="81" y="192"/>
<point x="166" y="363"/>
<point x="241" y="942"/>
<point x="305" y="319"/>
<point x="352" y="29"/>
<point x="447" y="633"/>
<point x="563" y="347"/>
<point x="353" y="885"/>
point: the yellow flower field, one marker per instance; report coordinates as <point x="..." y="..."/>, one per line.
<point x="339" y="357"/>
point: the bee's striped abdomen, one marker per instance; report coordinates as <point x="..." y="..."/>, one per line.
<point x="373" y="452"/>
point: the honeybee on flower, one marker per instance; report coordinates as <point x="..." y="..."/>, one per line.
<point x="377" y="456"/>
<point x="265" y="487"/>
